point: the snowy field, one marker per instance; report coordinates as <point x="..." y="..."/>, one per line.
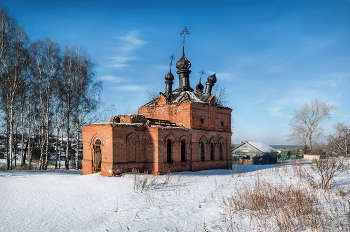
<point x="184" y="201"/>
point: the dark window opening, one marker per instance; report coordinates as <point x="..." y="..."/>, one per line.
<point x="221" y="154"/>
<point x="202" y="151"/>
<point x="183" y="150"/>
<point x="169" y="148"/>
<point x="212" y="151"/>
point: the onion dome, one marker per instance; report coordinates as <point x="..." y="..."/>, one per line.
<point x="212" y="78"/>
<point x="183" y="61"/>
<point x="169" y="76"/>
<point x="199" y="86"/>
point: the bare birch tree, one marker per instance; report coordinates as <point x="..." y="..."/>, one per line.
<point x="45" y="69"/>
<point x="13" y="64"/>
<point x="39" y="88"/>
<point x="305" y="124"/>
<point x="74" y="86"/>
<point x="339" y="143"/>
<point x="89" y="102"/>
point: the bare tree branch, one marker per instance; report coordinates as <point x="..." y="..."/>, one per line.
<point x="305" y="124"/>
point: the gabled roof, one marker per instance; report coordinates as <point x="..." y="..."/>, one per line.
<point x="260" y="146"/>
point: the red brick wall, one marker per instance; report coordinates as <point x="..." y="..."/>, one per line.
<point x="192" y="115"/>
<point x="90" y="134"/>
<point x="127" y="145"/>
<point x="151" y="148"/>
<point x="193" y="159"/>
<point x="179" y="114"/>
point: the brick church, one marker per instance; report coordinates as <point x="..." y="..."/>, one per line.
<point x="181" y="130"/>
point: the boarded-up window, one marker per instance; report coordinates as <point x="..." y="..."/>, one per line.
<point x="132" y="145"/>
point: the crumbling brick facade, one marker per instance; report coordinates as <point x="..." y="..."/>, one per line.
<point x="181" y="130"/>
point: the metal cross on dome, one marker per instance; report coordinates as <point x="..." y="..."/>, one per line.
<point x="202" y="73"/>
<point x="171" y="60"/>
<point x="184" y="32"/>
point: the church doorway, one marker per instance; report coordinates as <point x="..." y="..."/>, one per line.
<point x="97" y="156"/>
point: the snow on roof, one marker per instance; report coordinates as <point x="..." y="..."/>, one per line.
<point x="262" y="146"/>
<point x="179" y="97"/>
<point x="192" y="97"/>
<point x="119" y="124"/>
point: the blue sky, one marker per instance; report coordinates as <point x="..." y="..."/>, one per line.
<point x="271" y="56"/>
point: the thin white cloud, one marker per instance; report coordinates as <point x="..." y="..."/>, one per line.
<point x="276" y="111"/>
<point x="122" y="59"/>
<point x="126" y="49"/>
<point x="296" y="97"/>
<point x="334" y="80"/>
<point x="112" y="79"/>
<point x="131" y="40"/>
<point x="221" y="75"/>
<point x="130" y="88"/>
<point x="284" y="107"/>
<point x="119" y="65"/>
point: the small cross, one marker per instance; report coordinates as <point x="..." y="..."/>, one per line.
<point x="171" y="59"/>
<point x="184" y="32"/>
<point x="202" y="72"/>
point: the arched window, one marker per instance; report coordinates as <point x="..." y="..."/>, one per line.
<point x="221" y="154"/>
<point x="202" y="151"/>
<point x="212" y="151"/>
<point x="132" y="145"/>
<point x="168" y="150"/>
<point x="97" y="155"/>
<point x="183" y="150"/>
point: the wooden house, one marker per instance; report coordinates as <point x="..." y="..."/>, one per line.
<point x="248" y="153"/>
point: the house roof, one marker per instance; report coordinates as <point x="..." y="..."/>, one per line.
<point x="260" y="146"/>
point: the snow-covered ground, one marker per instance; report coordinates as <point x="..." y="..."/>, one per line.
<point x="184" y="201"/>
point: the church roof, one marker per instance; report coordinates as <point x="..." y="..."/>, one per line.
<point x="186" y="96"/>
<point x="178" y="97"/>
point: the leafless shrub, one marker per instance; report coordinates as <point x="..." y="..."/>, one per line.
<point x="304" y="175"/>
<point x="341" y="191"/>
<point x="24" y="167"/>
<point x="327" y="169"/>
<point x="283" y="208"/>
<point x="143" y="182"/>
<point x="238" y="170"/>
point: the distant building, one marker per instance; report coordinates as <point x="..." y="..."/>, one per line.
<point x="253" y="153"/>
<point x="311" y="156"/>
<point x="290" y="154"/>
<point x="181" y="130"/>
